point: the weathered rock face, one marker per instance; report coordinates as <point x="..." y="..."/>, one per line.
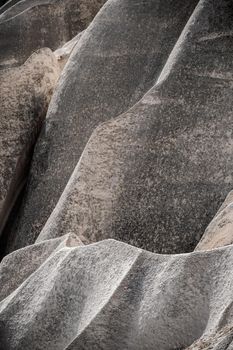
<point x="45" y="23"/>
<point x="220" y="231"/>
<point x="110" y="295"/>
<point x="25" y="95"/>
<point x="155" y="176"/>
<point x="118" y="58"/>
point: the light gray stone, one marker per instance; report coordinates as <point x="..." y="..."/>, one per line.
<point x="118" y="58"/>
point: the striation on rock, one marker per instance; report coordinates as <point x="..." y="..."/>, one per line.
<point x="7" y="4"/>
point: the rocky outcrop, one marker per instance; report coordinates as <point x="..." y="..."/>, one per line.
<point x="56" y="22"/>
<point x="25" y="95"/>
<point x="118" y="58"/>
<point x="109" y="295"/>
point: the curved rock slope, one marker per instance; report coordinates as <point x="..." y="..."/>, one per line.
<point x="109" y="295"/>
<point x="44" y="23"/>
<point x="117" y="59"/>
<point x="25" y="95"/>
<point x="155" y="176"/>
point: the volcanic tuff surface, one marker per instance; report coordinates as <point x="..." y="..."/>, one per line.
<point x="123" y="137"/>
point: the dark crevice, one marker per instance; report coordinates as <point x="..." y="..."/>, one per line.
<point x="9" y="224"/>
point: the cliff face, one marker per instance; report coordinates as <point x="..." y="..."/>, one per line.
<point x="117" y="121"/>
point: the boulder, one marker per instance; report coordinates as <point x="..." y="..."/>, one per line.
<point x="25" y="95"/>
<point x="118" y="58"/>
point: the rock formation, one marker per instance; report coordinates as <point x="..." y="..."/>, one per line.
<point x="154" y="176"/>
<point x="109" y="70"/>
<point x="108" y="248"/>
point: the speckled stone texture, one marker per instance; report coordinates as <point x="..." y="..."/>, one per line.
<point x="118" y="58"/>
<point x="155" y="176"/>
<point x="113" y="296"/>
<point x="32" y="24"/>
<point x="25" y="94"/>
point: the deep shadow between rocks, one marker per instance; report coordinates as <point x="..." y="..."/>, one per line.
<point x="5" y="236"/>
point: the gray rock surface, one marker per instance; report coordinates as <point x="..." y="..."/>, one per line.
<point x="31" y="24"/>
<point x="220" y="231"/>
<point x="118" y="58"/>
<point x="25" y="95"/>
<point x="110" y="295"/>
<point x="155" y="176"/>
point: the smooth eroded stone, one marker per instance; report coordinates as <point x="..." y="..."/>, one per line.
<point x="155" y="176"/>
<point x="118" y="58"/>
<point x="57" y="295"/>
<point x="25" y="95"/>
<point x="31" y="24"/>
<point x="220" y="231"/>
